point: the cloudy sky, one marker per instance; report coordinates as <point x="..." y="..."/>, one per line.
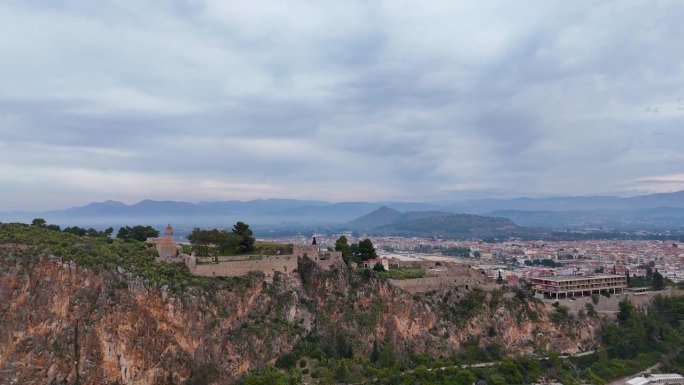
<point x="338" y="100"/>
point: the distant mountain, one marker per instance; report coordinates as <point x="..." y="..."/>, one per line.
<point x="453" y="226"/>
<point x="674" y="199"/>
<point x="380" y="217"/>
<point x="387" y="216"/>
<point x="655" y="211"/>
<point x="661" y="218"/>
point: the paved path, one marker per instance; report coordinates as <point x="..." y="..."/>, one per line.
<point x="623" y="380"/>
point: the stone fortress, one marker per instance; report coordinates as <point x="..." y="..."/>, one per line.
<point x="437" y="274"/>
<point x="169" y="251"/>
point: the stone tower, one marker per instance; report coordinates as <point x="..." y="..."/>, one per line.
<point x="166" y="246"/>
<point x="168" y="232"/>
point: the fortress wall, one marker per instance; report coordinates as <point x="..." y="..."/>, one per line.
<point x="167" y="249"/>
<point x="239" y="265"/>
<point x="418" y="285"/>
<point x="466" y="276"/>
<point x="266" y="265"/>
<point x="311" y="251"/>
<point x="229" y="258"/>
<point x="330" y="259"/>
<point x="329" y="263"/>
<point x="180" y="259"/>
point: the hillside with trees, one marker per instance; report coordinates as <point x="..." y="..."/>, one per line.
<point x="221" y="242"/>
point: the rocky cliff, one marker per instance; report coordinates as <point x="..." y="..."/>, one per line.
<point x="59" y="321"/>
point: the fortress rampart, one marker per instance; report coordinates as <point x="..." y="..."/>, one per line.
<point x="460" y="277"/>
<point x="239" y="265"/>
<point x="233" y="267"/>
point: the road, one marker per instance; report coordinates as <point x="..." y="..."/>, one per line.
<point x="623" y="380"/>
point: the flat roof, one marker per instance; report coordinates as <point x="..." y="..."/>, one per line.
<point x="558" y="278"/>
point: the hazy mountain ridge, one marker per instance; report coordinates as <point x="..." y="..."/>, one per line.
<point x="646" y="211"/>
<point x="655" y="218"/>
<point x="382" y="216"/>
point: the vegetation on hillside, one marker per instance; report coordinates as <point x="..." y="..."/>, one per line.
<point x="80" y="231"/>
<point x="652" y="279"/>
<point x="356" y="252"/>
<point x="103" y="253"/>
<point x="402" y="273"/>
<point x="136" y="233"/>
<point x="637" y="341"/>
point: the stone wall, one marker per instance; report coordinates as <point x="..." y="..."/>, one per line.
<point x="310" y="251"/>
<point x="465" y="278"/>
<point x="325" y="259"/>
<point x="229" y="258"/>
<point x="239" y="265"/>
<point x="167" y="249"/>
<point x="268" y="265"/>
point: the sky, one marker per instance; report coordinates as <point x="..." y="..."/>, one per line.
<point x="338" y="100"/>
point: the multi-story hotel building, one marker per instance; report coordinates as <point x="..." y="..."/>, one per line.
<point x="578" y="286"/>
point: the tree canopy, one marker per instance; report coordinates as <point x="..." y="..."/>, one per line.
<point x="137" y="233"/>
<point x="356" y="252"/>
<point x="222" y="242"/>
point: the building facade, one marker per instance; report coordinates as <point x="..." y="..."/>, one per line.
<point x="560" y="287"/>
<point x="166" y="246"/>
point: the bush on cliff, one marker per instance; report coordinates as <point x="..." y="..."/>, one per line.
<point x="99" y="254"/>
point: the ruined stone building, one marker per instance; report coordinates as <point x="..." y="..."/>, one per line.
<point x="323" y="258"/>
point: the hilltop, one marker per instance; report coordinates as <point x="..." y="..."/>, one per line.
<point x="382" y="216"/>
<point x="453" y="226"/>
<point x="387" y="221"/>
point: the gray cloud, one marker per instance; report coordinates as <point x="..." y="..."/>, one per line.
<point x="207" y="99"/>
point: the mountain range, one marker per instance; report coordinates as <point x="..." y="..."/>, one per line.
<point x="654" y="211"/>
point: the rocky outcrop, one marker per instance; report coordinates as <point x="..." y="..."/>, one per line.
<point x="58" y="319"/>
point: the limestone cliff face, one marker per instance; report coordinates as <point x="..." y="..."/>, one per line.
<point x="57" y="319"/>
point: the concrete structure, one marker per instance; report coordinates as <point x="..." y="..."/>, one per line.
<point x="638" y="290"/>
<point x="665" y="379"/>
<point x="166" y="246"/>
<point x="577" y="286"/>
